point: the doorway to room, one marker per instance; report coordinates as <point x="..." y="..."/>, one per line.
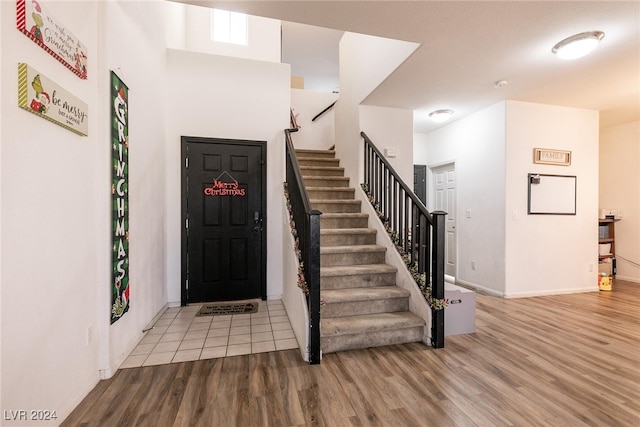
<point x="443" y="198"/>
<point x="223" y="220"/>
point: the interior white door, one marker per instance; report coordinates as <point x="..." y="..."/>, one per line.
<point x="444" y="199"/>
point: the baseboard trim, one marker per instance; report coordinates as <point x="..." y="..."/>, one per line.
<point x="627" y="279"/>
<point x="155" y="319"/>
<point x="479" y="289"/>
<point x="551" y="292"/>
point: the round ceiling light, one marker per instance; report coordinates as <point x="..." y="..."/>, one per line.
<point x="439" y="116"/>
<point x="578" y="46"/>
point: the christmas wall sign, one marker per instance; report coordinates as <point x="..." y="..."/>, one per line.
<point x="51" y="35"/>
<point x="120" y="302"/>
<point x="43" y="97"/>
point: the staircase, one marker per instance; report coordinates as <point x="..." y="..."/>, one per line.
<point x="363" y="306"/>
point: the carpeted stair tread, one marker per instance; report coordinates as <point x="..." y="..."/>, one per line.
<point x="327" y="178"/>
<point x="330" y="189"/>
<point x="303" y="152"/>
<point x="344" y="270"/>
<point x="367" y="323"/>
<point x="363" y="305"/>
<point x="320" y="160"/>
<point x="351" y="249"/>
<point x="337" y="205"/>
<point x="342" y="231"/>
<point x="344" y="215"/>
<point x="321" y="170"/>
<point x="364" y="294"/>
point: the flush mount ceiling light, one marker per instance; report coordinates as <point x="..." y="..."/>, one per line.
<point x="578" y="46"/>
<point x="439" y="116"/>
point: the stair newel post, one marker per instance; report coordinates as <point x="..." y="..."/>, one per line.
<point x="314" y="286"/>
<point x="437" y="278"/>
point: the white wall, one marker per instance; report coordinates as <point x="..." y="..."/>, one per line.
<point x="365" y="61"/>
<point x="620" y="189"/>
<point x="263" y="36"/>
<point x="306" y="104"/>
<point x="548" y="254"/>
<point x="129" y="29"/>
<point x="242" y="99"/>
<point x="518" y="254"/>
<point x="56" y="254"/>
<point x="50" y="239"/>
<point x="391" y="128"/>
<point x="476" y="144"/>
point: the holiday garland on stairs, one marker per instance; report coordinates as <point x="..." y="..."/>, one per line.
<point x="419" y="278"/>
<point x="302" y="281"/>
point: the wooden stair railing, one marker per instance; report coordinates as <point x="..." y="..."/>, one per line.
<point x="307" y="224"/>
<point x="418" y="233"/>
<point x="321" y="113"/>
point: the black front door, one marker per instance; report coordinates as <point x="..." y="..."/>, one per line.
<point x="223" y="213"/>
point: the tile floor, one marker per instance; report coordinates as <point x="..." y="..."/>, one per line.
<point x="180" y="336"/>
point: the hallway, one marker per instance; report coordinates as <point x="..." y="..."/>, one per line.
<point x="180" y="336"/>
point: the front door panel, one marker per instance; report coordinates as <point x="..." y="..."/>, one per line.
<point x="223" y="190"/>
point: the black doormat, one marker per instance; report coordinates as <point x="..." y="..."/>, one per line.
<point x="225" y="308"/>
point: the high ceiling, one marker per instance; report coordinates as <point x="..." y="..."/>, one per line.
<point x="466" y="46"/>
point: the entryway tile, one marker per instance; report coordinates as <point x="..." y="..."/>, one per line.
<point x="263" y="347"/>
<point x="159" y="358"/>
<point x="213" y="352"/>
<point x="180" y="336"/>
<point x="238" y="349"/>
<point x="187" y="355"/>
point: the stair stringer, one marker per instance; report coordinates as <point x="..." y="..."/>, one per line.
<point x="417" y="304"/>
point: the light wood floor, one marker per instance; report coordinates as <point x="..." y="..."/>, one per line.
<point x="569" y="360"/>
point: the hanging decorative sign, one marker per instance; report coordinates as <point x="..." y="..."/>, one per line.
<point x="120" y="197"/>
<point x="221" y="188"/>
<point x="551" y="157"/>
<point x="43" y="97"/>
<point x="51" y="35"/>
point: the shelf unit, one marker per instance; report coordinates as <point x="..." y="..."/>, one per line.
<point x="607" y="235"/>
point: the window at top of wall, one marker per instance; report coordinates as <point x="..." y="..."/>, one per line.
<point x="228" y="27"/>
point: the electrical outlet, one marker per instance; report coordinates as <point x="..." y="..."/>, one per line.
<point x="473" y="265"/>
<point x="468" y="213"/>
<point x="89" y="334"/>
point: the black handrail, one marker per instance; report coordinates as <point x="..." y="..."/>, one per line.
<point x="417" y="233"/>
<point x="307" y="224"/>
<point x="324" y="111"/>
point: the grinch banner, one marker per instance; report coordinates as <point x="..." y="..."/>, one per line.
<point x="51" y="35"/>
<point x="45" y="98"/>
<point x="119" y="107"/>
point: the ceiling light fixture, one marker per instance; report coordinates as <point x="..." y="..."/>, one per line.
<point x="500" y="84"/>
<point x="578" y="46"/>
<point x="439" y="116"/>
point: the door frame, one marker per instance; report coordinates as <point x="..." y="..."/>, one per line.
<point x="184" y="215"/>
<point x="431" y="203"/>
